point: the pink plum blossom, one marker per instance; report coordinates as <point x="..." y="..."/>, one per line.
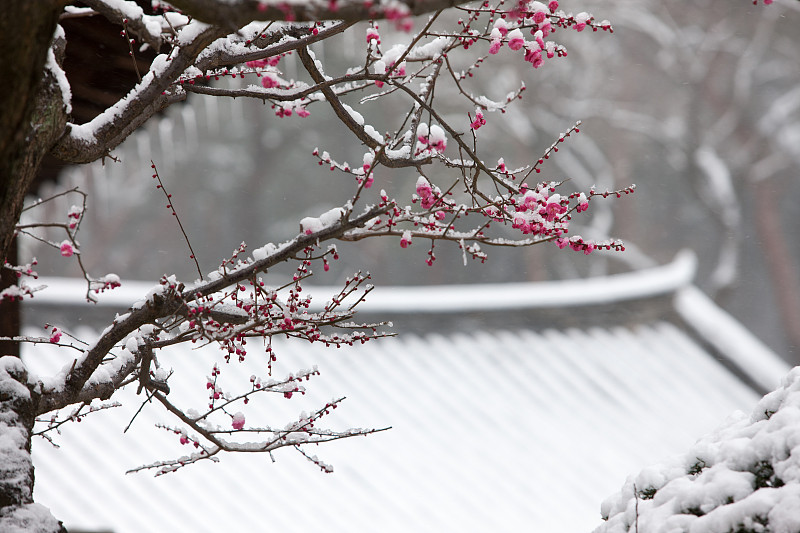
<point x="373" y="35"/>
<point x="369" y="158"/>
<point x="380" y="68"/>
<point x="422" y="133"/>
<point x="257" y="63"/>
<point x="583" y="203"/>
<point x="67" y="249"/>
<point x="534" y="57"/>
<point x="479" y="120"/>
<point x="238" y="420"/>
<point x="424" y="187"/>
<point x="268" y="81"/>
<point x="405" y="240"/>
<point x="437" y="139"/>
<point x="515" y="39"/>
<point x="554" y="208"/>
<point x="581" y="19"/>
<point x="501" y="27"/>
<point x="74" y="216"/>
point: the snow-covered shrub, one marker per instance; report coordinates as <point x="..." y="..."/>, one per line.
<point x="742" y="478"/>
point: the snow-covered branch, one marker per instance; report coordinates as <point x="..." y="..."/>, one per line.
<point x="88" y="142"/>
<point x="147" y="28"/>
<point x="79" y="383"/>
<point x="235" y="15"/>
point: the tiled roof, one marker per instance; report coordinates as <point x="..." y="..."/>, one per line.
<point x="491" y="431"/>
<point x="518" y="423"/>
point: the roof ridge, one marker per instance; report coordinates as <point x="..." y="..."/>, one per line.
<point x="636" y="285"/>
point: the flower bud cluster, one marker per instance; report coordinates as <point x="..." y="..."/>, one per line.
<point x="430" y="141"/>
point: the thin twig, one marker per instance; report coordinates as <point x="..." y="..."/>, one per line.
<point x="130" y="48"/>
<point x="175" y="214"/>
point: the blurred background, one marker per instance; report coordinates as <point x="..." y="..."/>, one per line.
<point x="696" y="102"/>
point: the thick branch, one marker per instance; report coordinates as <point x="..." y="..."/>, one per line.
<point x="275" y="43"/>
<point x="237" y="14"/>
<point x="342" y="113"/>
<point x="91" y="141"/>
<point x="284" y="253"/>
<point x="131" y="16"/>
<point x="348" y="119"/>
<point x="75" y="385"/>
<point x="26" y="29"/>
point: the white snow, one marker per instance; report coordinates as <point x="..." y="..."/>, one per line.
<point x="744" y="476"/>
<point x="132" y="344"/>
<point x="730" y="337"/>
<point x="10" y="387"/>
<point x="373" y="133"/>
<point x="437" y="134"/>
<point x="313" y="224"/>
<point x="429" y="50"/>
<point x="29" y="518"/>
<point x="443" y="298"/>
<point x="189" y="33"/>
<point x="404" y="152"/>
<point x="358" y="117"/>
<point x="265" y="251"/>
<point x="61" y="78"/>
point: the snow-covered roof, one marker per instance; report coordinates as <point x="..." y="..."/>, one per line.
<point x="492" y="430"/>
<point x="640" y="284"/>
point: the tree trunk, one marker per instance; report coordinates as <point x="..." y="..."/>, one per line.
<point x="782" y="266"/>
<point x="9" y="308"/>
<point x="30" y="119"/>
<point x="17" y="414"/>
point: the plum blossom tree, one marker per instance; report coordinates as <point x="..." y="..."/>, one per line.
<point x="707" y="116"/>
<point x="459" y="197"/>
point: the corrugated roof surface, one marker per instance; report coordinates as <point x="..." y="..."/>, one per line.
<point x="500" y="431"/>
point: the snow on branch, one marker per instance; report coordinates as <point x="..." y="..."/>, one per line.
<point x="459" y="196"/>
<point x="497" y="199"/>
<point x="208" y="438"/>
<point x="82" y="380"/>
<point x="235" y="15"/>
<point x="147" y="28"/>
<point x="89" y="142"/>
<point x="68" y="248"/>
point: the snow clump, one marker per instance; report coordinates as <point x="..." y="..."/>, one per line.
<point x="742" y="478"/>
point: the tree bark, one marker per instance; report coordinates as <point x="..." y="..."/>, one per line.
<point x="18" y="401"/>
<point x="9" y="308"/>
<point x="30" y="119"/>
<point x="234" y="16"/>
